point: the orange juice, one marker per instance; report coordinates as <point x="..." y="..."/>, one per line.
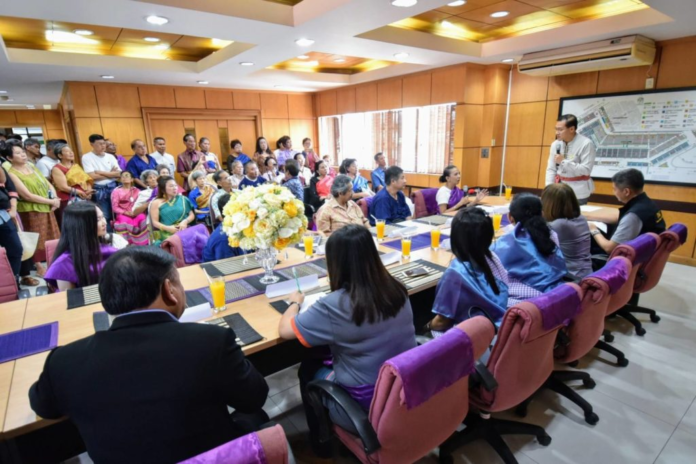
<point x="435" y="239"/>
<point x="497" y="218"/>
<point x="406" y="247"/>
<point x="217" y="290"/>
<point x="380" y="223"/>
<point x="508" y="193"/>
<point x="308" y="245"/>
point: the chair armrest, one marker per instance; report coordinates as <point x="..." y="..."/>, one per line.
<point x="482" y="376"/>
<point x="358" y="416"/>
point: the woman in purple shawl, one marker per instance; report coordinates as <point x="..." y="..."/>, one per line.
<point x="450" y="197"/>
<point x="82" y="249"/>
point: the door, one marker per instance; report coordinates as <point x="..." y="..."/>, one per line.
<point x="245" y="131"/>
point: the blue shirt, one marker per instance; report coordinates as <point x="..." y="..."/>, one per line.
<point x="246" y="182"/>
<point x="136" y="166"/>
<point x="195" y="193"/>
<point x="295" y="187"/>
<point x="386" y="207"/>
<point x="218" y="247"/>
<point x="378" y="179"/>
<point x="244" y="159"/>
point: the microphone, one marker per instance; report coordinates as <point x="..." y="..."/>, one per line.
<point x="558" y="152"/>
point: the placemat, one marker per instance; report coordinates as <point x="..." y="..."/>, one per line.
<point x="100" y="319"/>
<point x="246" y="335"/>
<point x="437" y="220"/>
<point x="231" y="266"/>
<point x="194" y="298"/>
<point x="85" y="296"/>
<point x="235" y="290"/>
<point x="434" y="273"/>
<point x="25" y="342"/>
<point x="418" y="242"/>
<point x="388" y="229"/>
<point x="281" y="305"/>
<point x="304" y="270"/>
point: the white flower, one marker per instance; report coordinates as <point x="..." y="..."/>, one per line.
<point x="285" y="232"/>
<point x="262" y="212"/>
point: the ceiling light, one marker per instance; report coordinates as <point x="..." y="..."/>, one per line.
<point x="339" y="60"/>
<point x="304" y="42"/>
<point x="203" y="82"/>
<point x="404" y="3"/>
<point x="162" y="46"/>
<point x="500" y="14"/>
<point x="508" y="60"/>
<point x="220" y="42"/>
<point x="3" y="91"/>
<point x="151" y="39"/>
<point x="83" y="32"/>
<point x="401" y="56"/>
<point x="457" y="3"/>
<point x="246" y="63"/>
<point x="448" y="25"/>
<point x="67" y="37"/>
<point x="157" y="20"/>
<point x="47" y="107"/>
<point x="107" y="77"/>
<point x="303" y="57"/>
<point x="31" y="107"/>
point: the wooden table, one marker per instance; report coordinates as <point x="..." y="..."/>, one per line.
<point x="11" y="319"/>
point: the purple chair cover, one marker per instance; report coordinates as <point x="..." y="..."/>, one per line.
<point x="193" y="240"/>
<point x="614" y="273"/>
<point x="559" y="306"/>
<point x="429" y="197"/>
<point x="644" y="246"/>
<point x="368" y="201"/>
<point x="681" y="231"/>
<point x="428" y="369"/>
<point x="243" y="450"/>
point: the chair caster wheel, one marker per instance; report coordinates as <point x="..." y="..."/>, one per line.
<point x="573" y="364"/>
<point x="447" y="459"/>
<point x="521" y="410"/>
<point x="544" y="440"/>
<point x="640" y="331"/>
<point x="591" y="418"/>
<point x="623" y="362"/>
<point x="589" y="383"/>
<point x="608" y="338"/>
<point x="655" y="318"/>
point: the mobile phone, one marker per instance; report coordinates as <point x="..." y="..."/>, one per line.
<point x="420" y="271"/>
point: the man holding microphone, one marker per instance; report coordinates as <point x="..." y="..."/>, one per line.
<point x="571" y="159"/>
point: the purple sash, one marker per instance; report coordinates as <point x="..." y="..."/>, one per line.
<point x="243" y="450"/>
<point x="455" y="197"/>
<point x="557" y="307"/>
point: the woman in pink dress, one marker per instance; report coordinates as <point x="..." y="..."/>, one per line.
<point x="133" y="227"/>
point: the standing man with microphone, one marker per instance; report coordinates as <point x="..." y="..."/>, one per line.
<point x="571" y="159"/>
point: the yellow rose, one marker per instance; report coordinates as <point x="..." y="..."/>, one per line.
<point x="290" y="209"/>
<point x="252" y="215"/>
<point x="233" y="241"/>
<point x="249" y="231"/>
<point x="281" y="243"/>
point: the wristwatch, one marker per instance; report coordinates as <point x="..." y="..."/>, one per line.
<point x="293" y="303"/>
<point x="595" y="232"/>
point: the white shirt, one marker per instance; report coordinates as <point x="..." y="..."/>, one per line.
<point x="143" y="197"/>
<point x="306" y="174"/>
<point x="45" y="165"/>
<point x="579" y="160"/>
<point x="165" y="159"/>
<point x="105" y="162"/>
<point x="443" y="195"/>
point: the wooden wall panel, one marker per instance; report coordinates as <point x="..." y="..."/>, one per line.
<point x="155" y="96"/>
<point x="53" y="119"/>
<point x="273" y="129"/>
<point x="345" y="100"/>
<point x="123" y="131"/>
<point x="497" y="79"/>
<point x="209" y="128"/>
<point x="469" y="166"/>
<point x="689" y="220"/>
<point x="84" y="100"/>
<point x="528" y="88"/>
<point x="468" y="126"/>
<point x="490" y="177"/>
<point x="522" y="165"/>
<point x="526" y="125"/>
<point x="301" y="106"/>
<point x="7" y="118"/>
<point x="366" y="98"/>
<point x="493" y="126"/>
<point x="328" y="104"/>
<point x="274" y="106"/>
<point x="84" y="127"/>
<point x="189" y="97"/>
<point x="550" y="121"/>
<point x="543" y="162"/>
<point x="29" y="117"/>
<point x="301" y="128"/>
<point x="118" y="101"/>
<point x="389" y="94"/>
<point x="218" y="99"/>
<point x="417" y="90"/>
<point x="448" y="85"/>
<point x="573" y="85"/>
<point x="54" y="134"/>
<point x="246" y="100"/>
<point x="475" y="84"/>
<point x="677" y="66"/>
<point x="624" y="79"/>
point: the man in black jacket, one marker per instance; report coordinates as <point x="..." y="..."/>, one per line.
<point x="150" y="389"/>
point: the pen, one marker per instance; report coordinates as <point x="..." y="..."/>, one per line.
<point x="297" y="281"/>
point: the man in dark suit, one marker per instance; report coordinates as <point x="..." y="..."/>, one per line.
<point x="150" y="389"/>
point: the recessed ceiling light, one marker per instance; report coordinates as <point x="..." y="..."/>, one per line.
<point x="151" y="39"/>
<point x="157" y="20"/>
<point x="303" y="57"/>
<point x="47" y="107"/>
<point x="161" y="46"/>
<point x="339" y="60"/>
<point x="67" y="37"/>
<point x="220" y="42"/>
<point x="404" y="3"/>
<point x="457" y="3"/>
<point x="10" y="100"/>
<point x="500" y="14"/>
<point x="31" y="107"/>
<point x="203" y="82"/>
<point x="107" y="77"/>
<point x="3" y="91"/>
<point x="83" y="32"/>
<point x="508" y="60"/>
<point x="401" y="56"/>
<point x="246" y="63"/>
<point x="304" y="42"/>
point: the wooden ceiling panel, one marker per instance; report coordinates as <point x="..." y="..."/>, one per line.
<point x="317" y="62"/>
<point x="514" y="8"/>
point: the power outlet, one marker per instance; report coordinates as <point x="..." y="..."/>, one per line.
<point x="485" y="153"/>
<point x="650" y="83"/>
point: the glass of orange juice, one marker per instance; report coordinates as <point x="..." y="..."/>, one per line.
<point x="406" y="247"/>
<point x="497" y="218"/>
<point x="308" y="245"/>
<point x="217" y="290"/>
<point x="380" y="224"/>
<point x="508" y="193"/>
<point x="435" y="239"/>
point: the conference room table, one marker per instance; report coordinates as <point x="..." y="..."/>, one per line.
<point x="16" y="377"/>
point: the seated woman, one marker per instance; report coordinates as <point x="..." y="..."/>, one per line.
<point x="361" y="332"/>
<point x="319" y="186"/>
<point x="237" y="169"/>
<point x="292" y="180"/>
<point x="530" y="252"/>
<point x="222" y="179"/>
<point x="450" y="197"/>
<point x="70" y="180"/>
<point x="271" y="173"/>
<point x="133" y="227"/>
<point x="170" y="212"/>
<point x="340" y="210"/>
<point x="82" y="250"/>
<point x="202" y="167"/>
<point x="562" y="211"/>
<point x="475" y="281"/>
<point x="218" y="245"/>
<point x="200" y="196"/>
<point x="149" y="178"/>
<point x="163" y="171"/>
<point x="349" y="167"/>
<point x="304" y="174"/>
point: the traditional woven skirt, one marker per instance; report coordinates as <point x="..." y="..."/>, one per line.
<point x="133" y="229"/>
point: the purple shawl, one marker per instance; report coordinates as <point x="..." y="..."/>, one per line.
<point x="193" y="241"/>
<point x="63" y="268"/>
<point x="455" y="197"/>
<point x="244" y="450"/>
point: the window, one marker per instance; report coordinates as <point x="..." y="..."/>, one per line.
<point x="416" y="139"/>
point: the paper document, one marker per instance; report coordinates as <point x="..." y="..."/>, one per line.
<point x="310" y="300"/>
<point x="391" y="258"/>
<point x="196" y="313"/>
<point x="589" y="209"/>
<point x="285" y="288"/>
<point x="404" y="231"/>
<point x="600" y="225"/>
<point x="446" y="245"/>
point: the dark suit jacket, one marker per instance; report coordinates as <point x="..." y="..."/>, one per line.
<point x="150" y="389"/>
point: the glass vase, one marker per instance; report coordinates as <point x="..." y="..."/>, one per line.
<point x="267" y="258"/>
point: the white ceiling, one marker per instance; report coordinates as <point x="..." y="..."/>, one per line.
<point x="36" y="77"/>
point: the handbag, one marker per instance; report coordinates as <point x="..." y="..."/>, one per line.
<point x="74" y="197"/>
<point x="30" y="241"/>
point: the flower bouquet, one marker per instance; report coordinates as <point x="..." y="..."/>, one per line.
<point x="266" y="218"/>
